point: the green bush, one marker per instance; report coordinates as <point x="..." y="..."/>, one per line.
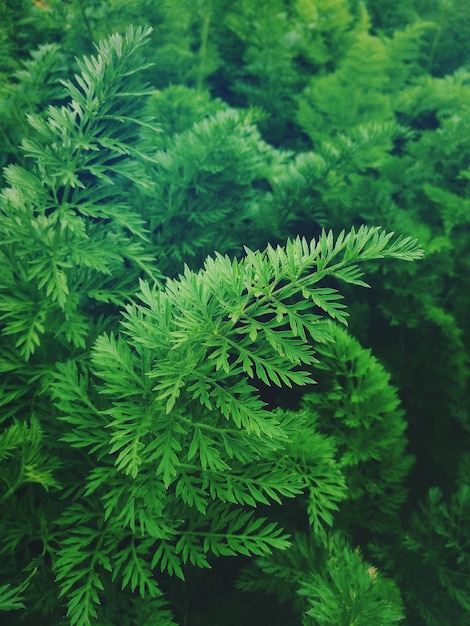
<point x="179" y="216"/>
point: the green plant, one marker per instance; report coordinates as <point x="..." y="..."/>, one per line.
<point x="29" y="91"/>
<point x="186" y="446"/>
<point x="141" y="369"/>
<point x="167" y="446"/>
<point x="330" y="584"/>
<point x="435" y="550"/>
<point x="356" y="405"/>
<point x="206" y="188"/>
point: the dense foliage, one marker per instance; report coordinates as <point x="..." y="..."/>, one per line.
<point x="205" y="417"/>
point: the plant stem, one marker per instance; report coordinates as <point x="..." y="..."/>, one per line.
<point x="203" y="48"/>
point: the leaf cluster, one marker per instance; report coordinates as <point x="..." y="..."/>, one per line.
<point x="186" y="429"/>
<point x="192" y="443"/>
<point x="52" y="214"/>
<point x="345" y="589"/>
<point x="357" y="406"/>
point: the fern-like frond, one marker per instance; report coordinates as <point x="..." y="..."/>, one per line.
<point x="203" y="341"/>
<point x="24" y="458"/>
<point x="205" y="189"/>
<point x="359" y="409"/>
<point x="83" y="562"/>
<point x="52" y="214"/>
<point x="11" y="598"/>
